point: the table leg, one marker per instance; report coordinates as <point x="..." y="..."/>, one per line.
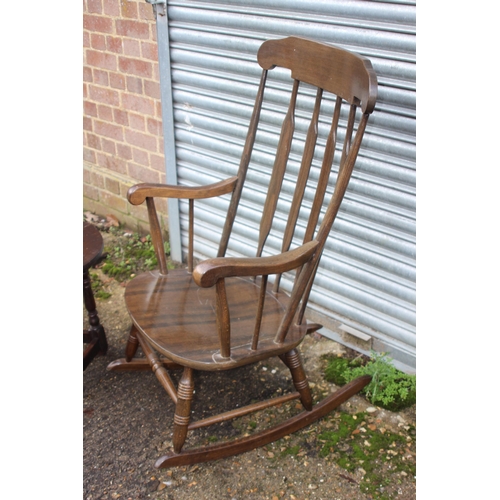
<point x="95" y="336"/>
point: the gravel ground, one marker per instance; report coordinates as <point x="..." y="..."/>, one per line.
<point x="127" y="425"/>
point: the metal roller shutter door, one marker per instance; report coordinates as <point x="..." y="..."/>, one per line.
<point x="367" y="277"/>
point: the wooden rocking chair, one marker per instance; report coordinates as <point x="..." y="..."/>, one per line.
<point x="224" y="314"/>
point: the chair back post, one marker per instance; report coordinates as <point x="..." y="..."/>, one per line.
<point x="156" y="236"/>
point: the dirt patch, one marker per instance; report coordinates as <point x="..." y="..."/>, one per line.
<point x="127" y="425"/>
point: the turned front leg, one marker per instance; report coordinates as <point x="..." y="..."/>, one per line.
<point x="132" y="344"/>
<point x="294" y="363"/>
<point x="183" y="409"/>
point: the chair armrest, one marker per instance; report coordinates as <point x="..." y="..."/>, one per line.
<point x="138" y="193"/>
<point x="208" y="272"/>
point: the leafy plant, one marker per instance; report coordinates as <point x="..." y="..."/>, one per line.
<point x="97" y="287"/>
<point x="337" y="367"/>
<point x="134" y="254"/>
<point x="389" y="388"/>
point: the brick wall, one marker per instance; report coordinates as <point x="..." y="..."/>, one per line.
<point x="123" y="142"/>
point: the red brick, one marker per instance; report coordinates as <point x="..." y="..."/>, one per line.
<point x="93" y="141"/>
<point x="124" y="151"/>
<point x="140" y="140"/>
<point x="105" y="113"/>
<point x="112" y="162"/>
<point x="113" y="201"/>
<point x="156" y="72"/>
<point x="142" y="174"/>
<point x="104" y="95"/>
<point x="157" y="162"/>
<point x="97" y="180"/>
<point x="152" y="89"/>
<point x="146" y="12"/>
<point x="90" y="191"/>
<point x="155" y="127"/>
<point x="97" y="23"/>
<point x="94" y="6"/>
<point x="158" y="109"/>
<point x="114" y="44"/>
<point x="87" y="74"/>
<point x="142" y="105"/>
<point x="101" y="60"/>
<point x="86" y="39"/>
<point x="135" y="67"/>
<point x="87" y="123"/>
<point x="89" y="108"/>
<point x="86" y="175"/>
<point x="117" y="81"/>
<point x="108" y="146"/>
<point x="98" y="41"/>
<point x="134" y="84"/>
<point x="112" y="185"/>
<point x="108" y="130"/>
<point x="112" y="8"/>
<point x="120" y="117"/>
<point x="129" y="9"/>
<point x="137" y="122"/>
<point x="149" y="51"/>
<point x="85" y="91"/>
<point x="140" y="157"/>
<point x="101" y="77"/>
<point x="131" y="47"/>
<point x="132" y="29"/>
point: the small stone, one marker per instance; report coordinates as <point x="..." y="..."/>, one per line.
<point x="371" y="409"/>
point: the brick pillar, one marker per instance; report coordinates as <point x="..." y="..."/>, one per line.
<point x="123" y="138"/>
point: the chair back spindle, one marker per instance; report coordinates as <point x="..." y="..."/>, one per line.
<point x="156" y="236"/>
<point x="278" y="173"/>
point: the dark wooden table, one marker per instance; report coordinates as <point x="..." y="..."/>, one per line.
<point x="95" y="336"/>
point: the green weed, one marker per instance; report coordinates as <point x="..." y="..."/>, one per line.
<point x="389" y="388"/>
<point x="355" y="445"/>
<point x="134" y="254"/>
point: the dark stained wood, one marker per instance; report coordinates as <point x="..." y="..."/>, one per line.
<point x="137" y="194"/>
<point x="228" y="449"/>
<point x="156" y="236"/>
<point x="228" y="312"/>
<point x="244" y="162"/>
<point x="208" y="272"/>
<point x="282" y="153"/>
<point x="183" y="409"/>
<point x="244" y="410"/>
<point x="331" y="68"/>
<point x="95" y="336"/>
<point x="191" y="235"/>
<point x="140" y="364"/>
<point x="260" y="309"/>
<point x="181" y="324"/>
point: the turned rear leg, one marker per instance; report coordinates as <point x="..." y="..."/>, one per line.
<point x="132" y="344"/>
<point x="294" y="363"/>
<point x="183" y="408"/>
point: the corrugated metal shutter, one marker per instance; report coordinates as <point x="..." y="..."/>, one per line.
<point x="367" y="277"/>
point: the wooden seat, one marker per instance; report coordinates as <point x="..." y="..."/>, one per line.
<point x="228" y="311"/>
